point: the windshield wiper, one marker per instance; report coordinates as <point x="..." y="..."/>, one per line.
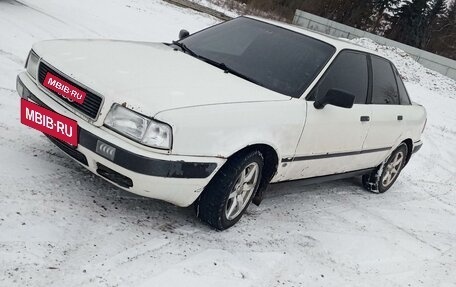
<point x="227" y="69"/>
<point x="185" y="49"/>
<point x="221" y="66"/>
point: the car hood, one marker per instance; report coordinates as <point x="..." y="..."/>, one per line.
<point x="148" y="77"/>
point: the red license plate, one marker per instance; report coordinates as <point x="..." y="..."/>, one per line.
<point x="49" y="122"/>
<point x="63" y="88"/>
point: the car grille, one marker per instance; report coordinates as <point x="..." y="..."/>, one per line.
<point x="92" y="102"/>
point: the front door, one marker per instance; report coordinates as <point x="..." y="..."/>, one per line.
<point x="333" y="137"/>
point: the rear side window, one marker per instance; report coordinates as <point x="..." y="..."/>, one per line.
<point x="403" y="95"/>
<point x="349" y="73"/>
<point x="384" y="90"/>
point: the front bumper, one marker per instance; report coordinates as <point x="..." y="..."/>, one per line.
<point x="175" y="179"/>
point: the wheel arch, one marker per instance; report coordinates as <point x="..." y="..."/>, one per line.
<point x="409" y="143"/>
<point x="270" y="167"/>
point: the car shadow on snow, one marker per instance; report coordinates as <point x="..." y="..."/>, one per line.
<point x="101" y="198"/>
<point x="341" y="186"/>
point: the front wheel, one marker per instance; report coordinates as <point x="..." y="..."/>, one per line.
<point x="227" y="196"/>
<point x="384" y="176"/>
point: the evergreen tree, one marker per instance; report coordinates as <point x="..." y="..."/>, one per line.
<point x="408" y="23"/>
<point x="443" y="37"/>
<point x="356" y="13"/>
<point x="433" y="16"/>
<point x="379" y="9"/>
<point x="361" y="14"/>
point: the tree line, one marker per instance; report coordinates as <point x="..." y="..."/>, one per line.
<point x="425" y="24"/>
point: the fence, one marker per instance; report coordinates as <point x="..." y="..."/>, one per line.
<point x="434" y="62"/>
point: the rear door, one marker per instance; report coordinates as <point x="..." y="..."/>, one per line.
<point x="387" y="120"/>
<point x="333" y="137"/>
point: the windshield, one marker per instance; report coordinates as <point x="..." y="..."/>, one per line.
<point x="275" y="58"/>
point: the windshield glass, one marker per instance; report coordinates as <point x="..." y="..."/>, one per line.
<point x="275" y="58"/>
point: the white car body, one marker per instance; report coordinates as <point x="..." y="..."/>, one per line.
<point x="213" y="115"/>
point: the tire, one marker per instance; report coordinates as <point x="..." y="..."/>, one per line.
<point x="386" y="174"/>
<point x="226" y="193"/>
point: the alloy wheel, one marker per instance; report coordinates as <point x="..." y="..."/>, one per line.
<point x="243" y="189"/>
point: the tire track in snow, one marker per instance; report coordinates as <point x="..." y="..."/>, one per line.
<point x="53" y="17"/>
<point x="400" y="228"/>
<point x="8" y="90"/>
<point x="116" y="264"/>
<point x="37" y="10"/>
<point x="12" y="57"/>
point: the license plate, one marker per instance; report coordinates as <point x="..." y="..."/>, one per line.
<point x="49" y="122"/>
<point x="64" y="89"/>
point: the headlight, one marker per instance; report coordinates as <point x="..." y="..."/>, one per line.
<point x="139" y="128"/>
<point x="32" y="64"/>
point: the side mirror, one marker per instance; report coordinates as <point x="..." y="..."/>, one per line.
<point x="336" y="98"/>
<point x="183" y="34"/>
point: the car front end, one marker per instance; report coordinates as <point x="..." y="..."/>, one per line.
<point x="125" y="147"/>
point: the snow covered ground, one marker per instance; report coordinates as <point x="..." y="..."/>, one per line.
<point x="62" y="226"/>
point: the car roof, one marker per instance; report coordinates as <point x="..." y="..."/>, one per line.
<point x="339" y="43"/>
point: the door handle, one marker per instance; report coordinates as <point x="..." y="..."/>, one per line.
<point x="399" y="118"/>
<point x="365" y="118"/>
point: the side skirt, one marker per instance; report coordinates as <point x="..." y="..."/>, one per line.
<point x="319" y="179"/>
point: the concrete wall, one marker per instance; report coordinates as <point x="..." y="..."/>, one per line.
<point x="434" y="62"/>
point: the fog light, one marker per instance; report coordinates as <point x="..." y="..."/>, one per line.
<point x="105" y="150"/>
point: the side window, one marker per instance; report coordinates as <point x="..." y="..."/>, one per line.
<point x="384" y="90"/>
<point x="349" y="73"/>
<point x="403" y="95"/>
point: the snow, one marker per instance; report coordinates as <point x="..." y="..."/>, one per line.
<point x="62" y="226"/>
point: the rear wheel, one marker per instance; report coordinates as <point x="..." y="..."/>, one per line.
<point x="227" y="196"/>
<point x="384" y="176"/>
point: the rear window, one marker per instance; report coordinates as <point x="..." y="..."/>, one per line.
<point x="384" y="83"/>
<point x="403" y="95"/>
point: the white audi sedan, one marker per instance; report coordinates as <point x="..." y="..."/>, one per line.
<point x="213" y="118"/>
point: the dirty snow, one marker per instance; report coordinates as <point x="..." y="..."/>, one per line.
<point x="62" y="226"/>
